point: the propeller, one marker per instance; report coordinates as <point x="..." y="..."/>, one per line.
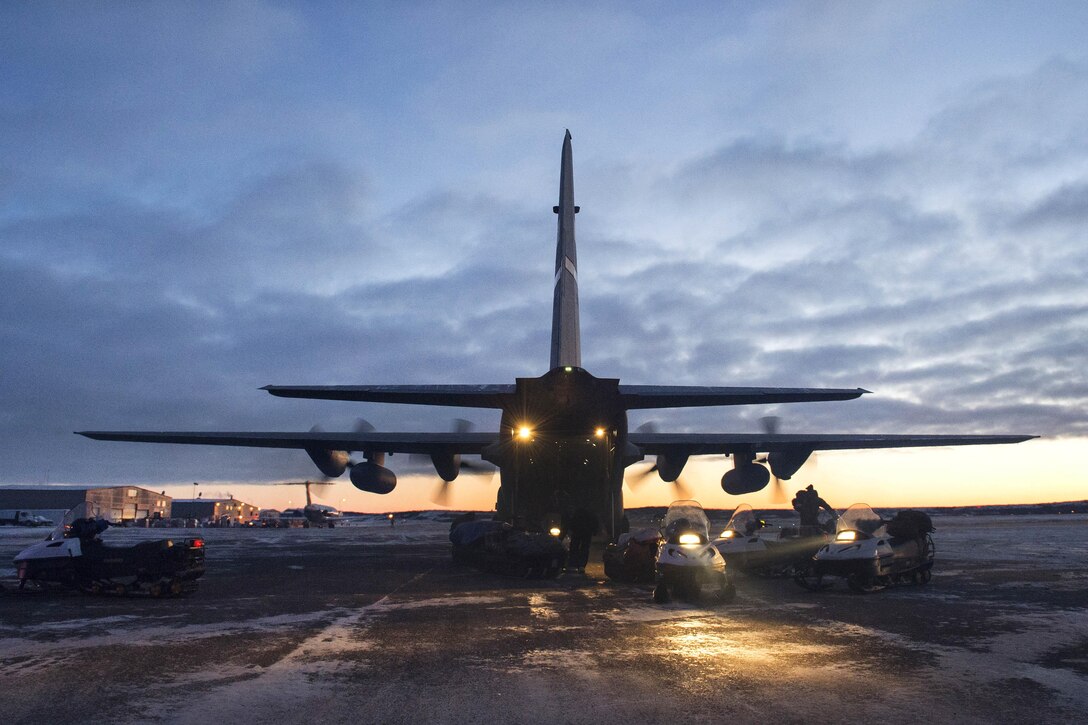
<point x="771" y="424"/>
<point x="333" y="463"/>
<point x="441" y="493"/>
<point x="636" y="479"/>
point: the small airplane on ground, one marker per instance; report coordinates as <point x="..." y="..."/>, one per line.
<point x="563" y="441"/>
<point x="312" y="514"/>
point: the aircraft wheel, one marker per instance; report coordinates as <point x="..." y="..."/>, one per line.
<point x="661" y="594"/>
<point x="175" y="587"/>
<point x="924" y="576"/>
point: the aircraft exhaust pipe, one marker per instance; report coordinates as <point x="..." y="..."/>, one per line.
<point x="372" y="478"/>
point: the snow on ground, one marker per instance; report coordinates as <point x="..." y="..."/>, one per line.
<point x="973" y="630"/>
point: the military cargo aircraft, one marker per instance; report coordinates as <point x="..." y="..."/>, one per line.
<point x="563" y="441"/>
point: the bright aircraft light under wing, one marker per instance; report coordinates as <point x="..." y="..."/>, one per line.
<point x="563" y="442"/>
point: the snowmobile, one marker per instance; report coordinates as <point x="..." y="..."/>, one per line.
<point x="750" y="545"/>
<point x="871" y="553"/>
<point x="633" y="558"/>
<point x="688" y="564"/>
<point x="500" y="548"/>
<point x="74" y="556"/>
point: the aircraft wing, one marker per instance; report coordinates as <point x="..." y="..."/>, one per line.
<point x="691" y="396"/>
<point x="468" y="396"/>
<point x="703" y="443"/>
<point x="466" y="442"/>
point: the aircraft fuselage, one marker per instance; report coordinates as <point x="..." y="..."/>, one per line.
<point x="561" y="450"/>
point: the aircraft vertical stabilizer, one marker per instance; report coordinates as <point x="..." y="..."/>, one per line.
<point x="566" y="337"/>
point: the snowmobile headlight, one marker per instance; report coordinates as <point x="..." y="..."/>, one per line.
<point x="555" y="531"/>
<point x="728" y="534"/>
<point x="689" y="540"/>
<point x="851" y="535"/>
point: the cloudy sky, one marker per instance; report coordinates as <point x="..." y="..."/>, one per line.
<point x="198" y="199"/>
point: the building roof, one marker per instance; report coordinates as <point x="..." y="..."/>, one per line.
<point x="57" y="497"/>
<point x="42" y="498"/>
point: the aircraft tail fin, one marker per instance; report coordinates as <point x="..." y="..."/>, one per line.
<point x="566" y="336"/>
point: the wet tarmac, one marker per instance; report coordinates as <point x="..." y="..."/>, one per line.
<point x="369" y="624"/>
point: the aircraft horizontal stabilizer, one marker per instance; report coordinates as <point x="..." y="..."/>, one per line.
<point x="691" y="396"/>
<point x="466" y="396"/>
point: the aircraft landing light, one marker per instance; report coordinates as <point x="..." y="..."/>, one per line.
<point x="525" y="432"/>
<point x="599" y="432"/>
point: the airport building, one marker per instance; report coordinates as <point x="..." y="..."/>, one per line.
<point x="115" y="503"/>
<point x="214" y="510"/>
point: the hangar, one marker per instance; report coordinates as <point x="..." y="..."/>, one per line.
<point x="115" y="503"/>
<point x="217" y="511"/>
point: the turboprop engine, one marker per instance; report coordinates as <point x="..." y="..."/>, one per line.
<point x="670" y="468"/>
<point x="372" y="477"/>
<point x="446" y="465"/>
<point x="331" y="463"/>
<point x="786" y="463"/>
<point x="746" y="478"/>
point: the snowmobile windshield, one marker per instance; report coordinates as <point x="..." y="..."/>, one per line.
<point x="85" y="510"/>
<point x="828" y="520"/>
<point x="686" y="517"/>
<point x="860" y="517"/>
<point x="744" y="520"/>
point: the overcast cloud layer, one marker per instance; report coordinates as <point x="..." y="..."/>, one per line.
<point x="197" y="200"/>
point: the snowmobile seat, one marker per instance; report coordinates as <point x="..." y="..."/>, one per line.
<point x="910" y="524"/>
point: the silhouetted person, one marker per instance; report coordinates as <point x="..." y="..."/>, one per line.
<point x="808" y="504"/>
<point x="583" y="524"/>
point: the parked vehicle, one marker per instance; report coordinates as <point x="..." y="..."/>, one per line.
<point x="75" y="556"/>
<point x="751" y="546"/>
<point x="871" y="553"/>
<point x="688" y="564"/>
<point x="633" y="557"/>
<point x="500" y="548"/>
<point x="19" y="517"/>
